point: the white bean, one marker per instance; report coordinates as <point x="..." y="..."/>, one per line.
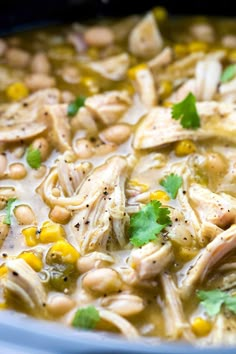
<point x="4" y="229"/>
<point x="17" y="58"/>
<point x="24" y="215"/>
<point x="83" y="148"/>
<point x="3" y="165"/>
<point x="98" y="36"/>
<point x="116" y="134"/>
<point x="42" y="145"/>
<point x="60" y="215"/>
<point x="58" y="305"/>
<point x="17" y="171"/>
<point x="39" y="82"/>
<point x="103" y="280"/>
<point x="40" y="64"/>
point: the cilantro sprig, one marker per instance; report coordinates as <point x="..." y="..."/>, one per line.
<point x="86" y="318"/>
<point x="213" y="300"/>
<point x="172" y="183"/>
<point x="9" y="207"/>
<point x="33" y="157"/>
<point x="148" y="223"/>
<point x="228" y="74"/>
<point x="74" y="106"/>
<point x="186" y="112"/>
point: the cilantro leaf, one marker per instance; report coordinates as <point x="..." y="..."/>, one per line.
<point x="74" y="106"/>
<point x="172" y="183"/>
<point x="228" y="74"/>
<point x="86" y="318"/>
<point x="148" y="223"/>
<point x="33" y="157"/>
<point x="7" y="219"/>
<point x="186" y="111"/>
<point x="212" y="301"/>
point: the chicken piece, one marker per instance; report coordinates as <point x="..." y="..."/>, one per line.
<point x="208" y="73"/>
<point x="109" y="106"/>
<point x="21" y="120"/>
<point x="122" y="27"/>
<point x="100" y="217"/>
<point x="162" y="59"/>
<point x="176" y="324"/>
<point x="145" y="39"/>
<point x="218" y="209"/>
<point x="84" y="120"/>
<point x="58" y="123"/>
<point x="228" y="88"/>
<point x="222" y="244"/>
<point x="151" y="259"/>
<point x="158" y="128"/>
<point x="113" y="68"/>
<point x="123" y="304"/>
<point x="180" y="94"/>
<point x="223" y="332"/>
<point x="146" y="87"/>
<point x="23" y="285"/>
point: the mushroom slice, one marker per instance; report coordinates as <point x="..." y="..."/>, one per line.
<point x="145" y="39"/>
<point x="22" y="284"/>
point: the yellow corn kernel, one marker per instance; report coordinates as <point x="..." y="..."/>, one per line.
<point x="132" y="72"/>
<point x="166" y="89"/>
<point x="197" y="47"/>
<point x="3" y="270"/>
<point x="232" y="55"/>
<point x="90" y="83"/>
<point x="201" y="327"/>
<point x="159" y="195"/>
<point x="17" y="91"/>
<point x="3" y="305"/>
<point x="160" y="13"/>
<point x="186" y="253"/>
<point x="30" y="234"/>
<point x="184" y="148"/>
<point x="33" y="261"/>
<point x="135" y="183"/>
<point x="180" y="49"/>
<point x="66" y="251"/>
<point x="93" y="53"/>
<point x="51" y="233"/>
<point x="167" y="104"/>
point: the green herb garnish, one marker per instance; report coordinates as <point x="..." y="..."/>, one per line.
<point x="9" y="207"/>
<point x="186" y="111"/>
<point x="172" y="183"/>
<point x="86" y="318"/>
<point x="74" y="106"/>
<point x="148" y="223"/>
<point x="212" y="301"/>
<point x="33" y="157"/>
<point x="228" y="74"/>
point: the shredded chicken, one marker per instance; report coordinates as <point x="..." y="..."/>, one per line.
<point x="113" y="68"/>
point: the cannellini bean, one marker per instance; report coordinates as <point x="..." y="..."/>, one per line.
<point x="104" y="149"/>
<point x="3" y="47"/>
<point x="3" y="165"/>
<point x="24" y="215"/>
<point x="83" y="148"/>
<point x="60" y="215"/>
<point x="93" y="260"/>
<point x="19" y="152"/>
<point x="98" y="36"/>
<point x="59" y="304"/>
<point x="124" y="304"/>
<point x="40" y="64"/>
<point x="103" y="280"/>
<point x="39" y="81"/>
<point x="17" y="171"/>
<point x="42" y="145"/>
<point x="116" y="134"/>
<point x="17" y="58"/>
<point x="4" y="229"/>
<point x="216" y="163"/>
<point x="229" y="41"/>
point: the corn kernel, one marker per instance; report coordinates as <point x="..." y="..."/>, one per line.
<point x="201" y="327"/>
<point x="232" y="55"/>
<point x="17" y="91"/>
<point x="51" y="233"/>
<point x="160" y="13"/>
<point x="33" y="261"/>
<point x="90" y="84"/>
<point x="30" y="234"/>
<point x="197" y="47"/>
<point x="141" y="186"/>
<point x="3" y="305"/>
<point x="3" y="270"/>
<point x="186" y="253"/>
<point x="184" y="148"/>
<point x="166" y="89"/>
<point x="132" y="72"/>
<point x="159" y="195"/>
<point x="67" y="252"/>
<point x="180" y="49"/>
<point x="167" y="104"/>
